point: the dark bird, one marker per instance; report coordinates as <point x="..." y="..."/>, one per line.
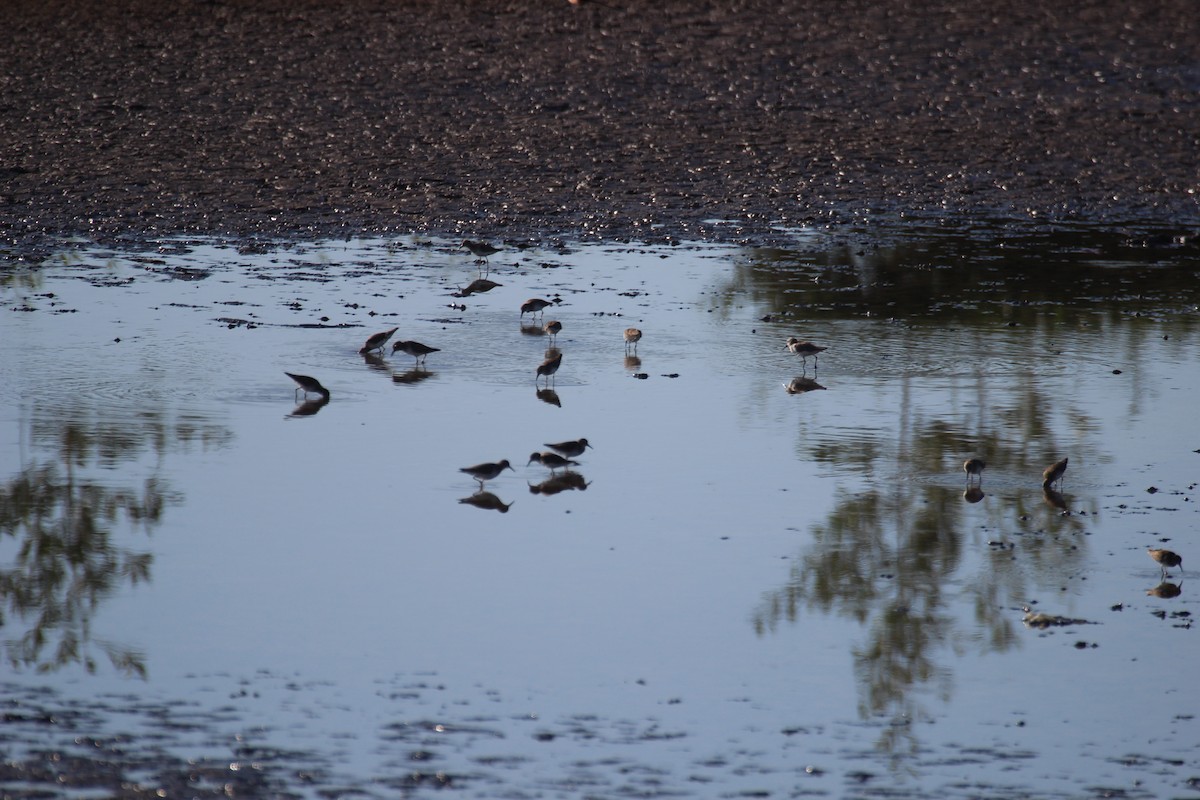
<point x="1054" y="473"/>
<point x="308" y="384"/>
<point x="377" y="341"/>
<point x="534" y="305"/>
<point x="486" y="471"/>
<point x="415" y="349"/>
<point x="572" y="449"/>
<point x="974" y="468"/>
<point x="552" y="460"/>
<point x="1166" y="559"/>
<point x="549" y="367"/>
<point x="481" y="250"/>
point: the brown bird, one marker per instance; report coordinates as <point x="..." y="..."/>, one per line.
<point x="487" y="471"/>
<point x="534" y="305"/>
<point x="552" y="460"/>
<point x="377" y="340"/>
<point x="632" y="337"/>
<point x="415" y="349"/>
<point x="552" y="327"/>
<point x="481" y="250"/>
<point x="308" y="384"/>
<point x="974" y="468"/>
<point x="1054" y="473"/>
<point x="549" y="367"/>
<point x="805" y="349"/>
<point x="572" y="449"/>
<point x="1166" y="559"/>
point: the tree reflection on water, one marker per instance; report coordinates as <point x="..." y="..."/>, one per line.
<point x="895" y="555"/>
<point x="66" y="521"/>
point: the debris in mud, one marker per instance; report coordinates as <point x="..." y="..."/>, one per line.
<point x="1042" y="620"/>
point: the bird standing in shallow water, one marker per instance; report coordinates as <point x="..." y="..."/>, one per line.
<point x="632" y="337"/>
<point x="552" y="328"/>
<point x="1166" y="559"/>
<point x="377" y="340"/>
<point x="1054" y="473"/>
<point x="486" y="471"/>
<point x="415" y="349"/>
<point x="308" y="384"/>
<point x="552" y="460"/>
<point x="804" y="349"/>
<point x="548" y="367"/>
<point x="481" y="250"/>
<point x="570" y="449"/>
<point x="534" y="305"/>
<point x="974" y="468"/>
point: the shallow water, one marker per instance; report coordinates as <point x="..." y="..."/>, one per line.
<point x="756" y="592"/>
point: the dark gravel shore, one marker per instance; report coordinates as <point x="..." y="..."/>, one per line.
<point x="297" y="118"/>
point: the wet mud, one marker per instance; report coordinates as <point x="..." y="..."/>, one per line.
<point x="652" y="121"/>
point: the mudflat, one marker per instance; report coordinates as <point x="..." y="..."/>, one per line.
<point x="667" y="120"/>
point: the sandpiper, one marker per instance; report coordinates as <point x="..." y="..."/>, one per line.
<point x="308" y="384"/>
<point x="974" y="468"/>
<point x="1166" y="559"/>
<point x="487" y="471"/>
<point x="377" y="341"/>
<point x="478" y="285"/>
<point x="632" y="337"/>
<point x="552" y="328"/>
<point x="481" y="250"/>
<point x="804" y="349"/>
<point x="534" y="305"/>
<point x="415" y="349"/>
<point x="1054" y="473"/>
<point x="549" y="367"/>
<point x="552" y="460"/>
<point x="570" y="449"/>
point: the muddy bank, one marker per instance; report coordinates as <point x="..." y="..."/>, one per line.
<point x="643" y="120"/>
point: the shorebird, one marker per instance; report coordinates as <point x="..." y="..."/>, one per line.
<point x="552" y="327"/>
<point x="480" y="285"/>
<point x="481" y="250"/>
<point x="487" y="471"/>
<point x="1166" y="559"/>
<point x="308" y="384"/>
<point x="552" y="460"/>
<point x="974" y="468"/>
<point x="415" y="349"/>
<point x="805" y="349"/>
<point x="377" y="341"/>
<point x="570" y="449"/>
<point x="632" y="337"/>
<point x="1054" y="473"/>
<point x="534" y="305"/>
<point x="548" y="367"/>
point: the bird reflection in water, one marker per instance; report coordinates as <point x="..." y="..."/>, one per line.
<point x="1053" y="498"/>
<point x="801" y="384"/>
<point x="310" y="407"/>
<point x="1166" y="590"/>
<point x="479" y="286"/>
<point x="532" y="330"/>
<point x="549" y="396"/>
<point x="414" y="375"/>
<point x="562" y="482"/>
<point x="633" y="362"/>
<point x="375" y="361"/>
<point x="973" y="494"/>
<point x="487" y="501"/>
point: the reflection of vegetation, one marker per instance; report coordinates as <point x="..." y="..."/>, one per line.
<point x="894" y="556"/>
<point x="62" y="530"/>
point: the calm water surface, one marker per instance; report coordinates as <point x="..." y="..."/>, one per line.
<point x="748" y="591"/>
